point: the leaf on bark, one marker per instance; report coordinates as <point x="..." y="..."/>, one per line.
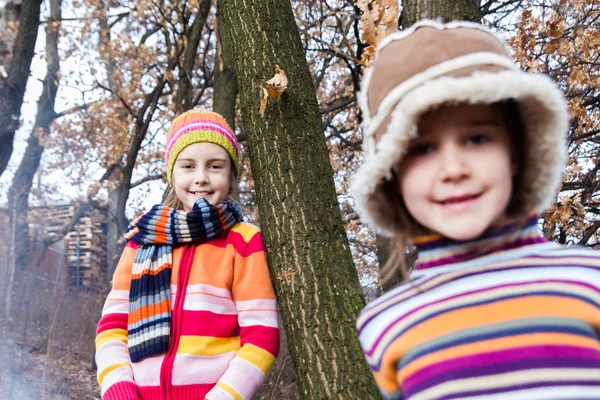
<point x="275" y="87"/>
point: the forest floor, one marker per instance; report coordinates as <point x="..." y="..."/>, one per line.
<point x="29" y="370"/>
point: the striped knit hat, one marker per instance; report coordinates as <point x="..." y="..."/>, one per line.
<point x="197" y="126"/>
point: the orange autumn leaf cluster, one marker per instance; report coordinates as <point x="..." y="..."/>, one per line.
<point x="379" y="18"/>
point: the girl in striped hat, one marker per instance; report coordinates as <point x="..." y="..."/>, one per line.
<point x="462" y="149"/>
<point x="192" y="311"/>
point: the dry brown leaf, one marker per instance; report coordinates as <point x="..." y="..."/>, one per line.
<point x="277" y="84"/>
<point x="275" y="87"/>
<point x="367" y="25"/>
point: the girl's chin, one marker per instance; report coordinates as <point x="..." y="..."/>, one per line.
<point x="462" y="233"/>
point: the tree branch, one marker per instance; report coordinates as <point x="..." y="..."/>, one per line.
<point x="149" y="178"/>
<point x="589" y="232"/>
<point x="339" y="105"/>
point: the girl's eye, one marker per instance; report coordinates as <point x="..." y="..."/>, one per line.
<point x="420" y="149"/>
<point x="478" y="138"/>
<point x="215" y="166"/>
<point x="187" y="166"/>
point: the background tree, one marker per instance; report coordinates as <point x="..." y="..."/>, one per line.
<point x="448" y="10"/>
<point x="18" y="194"/>
<point x="12" y="86"/>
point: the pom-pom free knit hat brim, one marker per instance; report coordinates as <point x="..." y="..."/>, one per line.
<point x="433" y="64"/>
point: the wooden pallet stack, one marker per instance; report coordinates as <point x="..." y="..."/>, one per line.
<point x="85" y="243"/>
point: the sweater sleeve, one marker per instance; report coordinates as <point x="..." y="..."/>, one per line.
<point x="258" y="319"/>
<point x="115" y="374"/>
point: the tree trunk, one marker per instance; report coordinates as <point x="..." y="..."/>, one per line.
<point x="314" y="276"/>
<point x="384" y="249"/>
<point x="20" y="188"/>
<point x="448" y="10"/>
<point x="117" y="222"/>
<point x="225" y="87"/>
<point x="12" y="89"/>
<point x="183" y="97"/>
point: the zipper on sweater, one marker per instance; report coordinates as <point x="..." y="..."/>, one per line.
<point x="183" y="275"/>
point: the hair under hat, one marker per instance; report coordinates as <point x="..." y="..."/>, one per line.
<point x="197" y="126"/>
<point x="431" y="64"/>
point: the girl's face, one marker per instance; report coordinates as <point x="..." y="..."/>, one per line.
<point x="202" y="170"/>
<point x="457" y="176"/>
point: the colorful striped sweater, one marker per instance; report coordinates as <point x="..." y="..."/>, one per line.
<point x="507" y="316"/>
<point x="224" y="330"/>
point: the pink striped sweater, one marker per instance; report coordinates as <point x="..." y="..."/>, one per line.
<point x="224" y="330"/>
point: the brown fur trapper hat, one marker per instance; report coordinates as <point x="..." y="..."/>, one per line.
<point x="431" y="64"/>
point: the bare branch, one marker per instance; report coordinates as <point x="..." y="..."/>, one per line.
<point x="149" y="178"/>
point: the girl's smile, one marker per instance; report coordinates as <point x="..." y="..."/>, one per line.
<point x="459" y="202"/>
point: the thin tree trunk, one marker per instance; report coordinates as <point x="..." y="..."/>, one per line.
<point x="183" y="97"/>
<point x="384" y="250"/>
<point x="448" y="10"/>
<point x="117" y="221"/>
<point x="225" y="87"/>
<point x="315" y="278"/>
<point x="12" y="89"/>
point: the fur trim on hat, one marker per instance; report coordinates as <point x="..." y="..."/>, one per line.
<point x="545" y="121"/>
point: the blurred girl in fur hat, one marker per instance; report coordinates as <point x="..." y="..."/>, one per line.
<point x="192" y="311"/>
<point x="462" y="150"/>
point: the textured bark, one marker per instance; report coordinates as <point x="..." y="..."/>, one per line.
<point x="12" y="89"/>
<point x="314" y="276"/>
<point x="448" y="10"/>
<point x="20" y="188"/>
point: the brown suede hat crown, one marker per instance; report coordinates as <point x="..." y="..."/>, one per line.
<point x="431" y="64"/>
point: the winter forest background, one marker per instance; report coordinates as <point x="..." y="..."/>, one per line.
<point x="88" y="89"/>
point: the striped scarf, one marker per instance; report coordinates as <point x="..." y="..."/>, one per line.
<point x="149" y="320"/>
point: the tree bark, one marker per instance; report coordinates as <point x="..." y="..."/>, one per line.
<point x="12" y="89"/>
<point x="448" y="10"/>
<point x="225" y="87"/>
<point x="314" y="276"/>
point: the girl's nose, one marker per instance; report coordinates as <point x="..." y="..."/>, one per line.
<point x="453" y="166"/>
<point x="200" y="176"/>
